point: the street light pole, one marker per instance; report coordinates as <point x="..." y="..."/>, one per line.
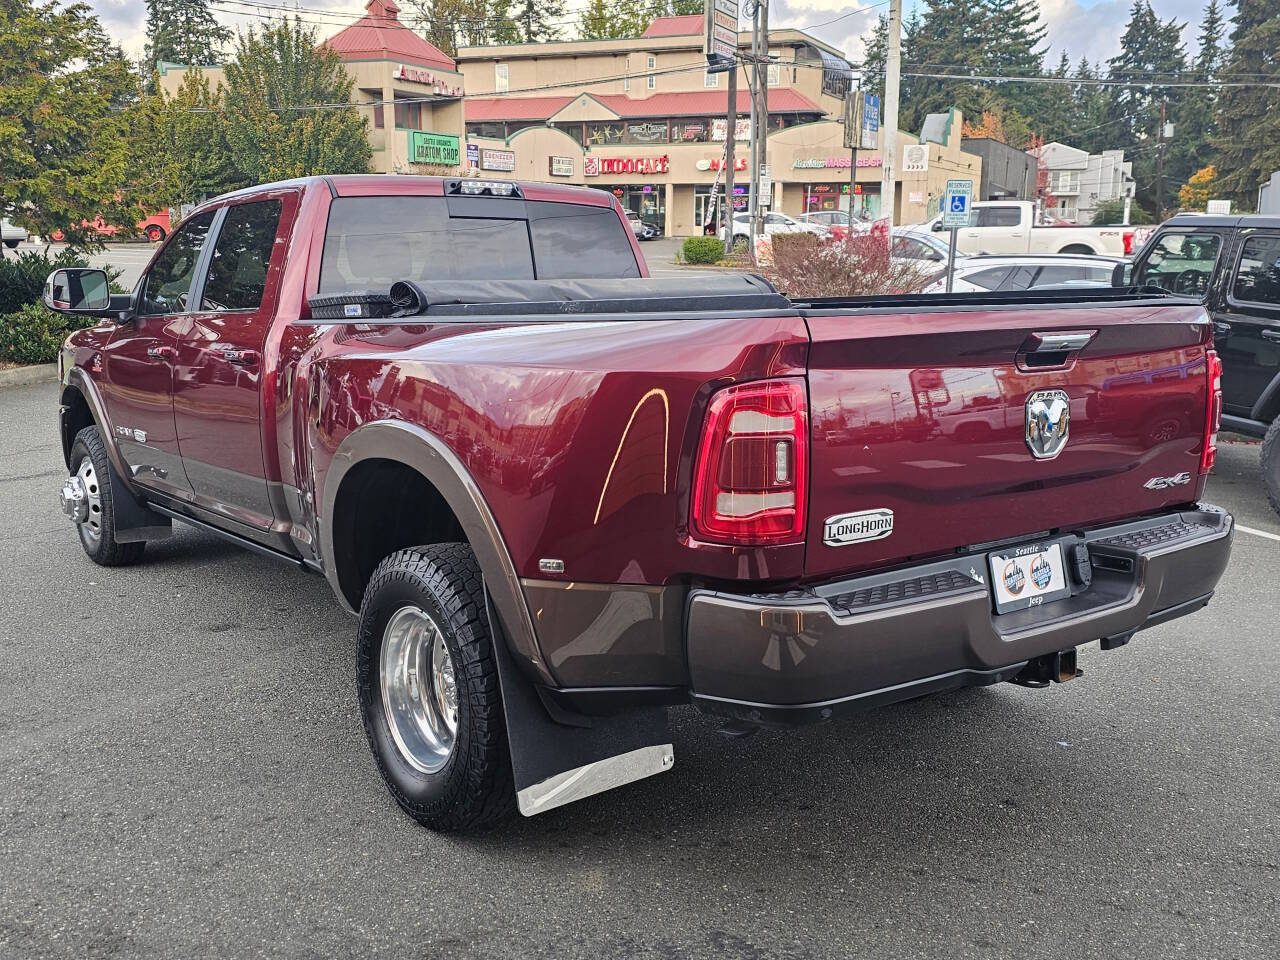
<point x="889" y="130"/>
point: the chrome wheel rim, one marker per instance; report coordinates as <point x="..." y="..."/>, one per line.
<point x="91" y="526"/>
<point x="419" y="689"/>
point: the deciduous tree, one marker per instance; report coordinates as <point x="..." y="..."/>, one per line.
<point x="63" y="88"/>
<point x="286" y="107"/>
<point x="1199" y="189"/>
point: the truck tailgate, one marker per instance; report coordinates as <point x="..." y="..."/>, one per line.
<point x="924" y="415"/>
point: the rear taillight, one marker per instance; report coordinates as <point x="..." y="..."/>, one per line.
<point x="1128" y="243"/>
<point x="1213" y="417"/>
<point x="751" y="477"/>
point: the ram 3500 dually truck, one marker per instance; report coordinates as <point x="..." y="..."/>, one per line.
<point x="562" y="496"/>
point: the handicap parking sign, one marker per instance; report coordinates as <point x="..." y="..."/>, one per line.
<point x="956" y="204"/>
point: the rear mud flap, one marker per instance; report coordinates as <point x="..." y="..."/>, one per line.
<point x="558" y="762"/>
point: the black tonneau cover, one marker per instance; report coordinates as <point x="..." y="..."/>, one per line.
<point x="629" y="295"/>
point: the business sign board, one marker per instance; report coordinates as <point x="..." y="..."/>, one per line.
<point x="473" y="155"/>
<point x="1220" y="208"/>
<point x="957" y="204"/>
<point x="560" y="166"/>
<point x="870" y="126"/>
<point x="721" y="30"/>
<point x="720" y="129"/>
<point x="852" y="117"/>
<point x="915" y="158"/>
<point x="437" y="149"/>
<point x="501" y="160"/>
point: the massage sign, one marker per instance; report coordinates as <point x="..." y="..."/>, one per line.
<point x="595" y="166"/>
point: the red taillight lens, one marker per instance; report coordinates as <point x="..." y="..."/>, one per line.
<point x="1213" y="418"/>
<point x="1128" y="243"/>
<point x="751" y="477"/>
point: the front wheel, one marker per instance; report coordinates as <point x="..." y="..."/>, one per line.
<point x="11" y="244"/>
<point x="1271" y="464"/>
<point x="88" y="499"/>
<point x="427" y="680"/>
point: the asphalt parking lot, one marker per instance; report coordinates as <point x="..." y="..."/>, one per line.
<point x="184" y="775"/>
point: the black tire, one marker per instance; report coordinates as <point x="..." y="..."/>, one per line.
<point x="154" y="233"/>
<point x="12" y="244"/>
<point x="103" y="549"/>
<point x="1271" y="464"/>
<point x="474" y="789"/>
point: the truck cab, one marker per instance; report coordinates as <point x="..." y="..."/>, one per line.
<point x="1232" y="263"/>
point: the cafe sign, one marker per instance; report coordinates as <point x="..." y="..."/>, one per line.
<point x="595" y="166"/>
<point x="560" y="166"/>
<point x="501" y="160"/>
<point x="436" y="149"/>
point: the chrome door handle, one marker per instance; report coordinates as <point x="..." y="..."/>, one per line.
<point x="161" y="353"/>
<point x="1221" y="329"/>
<point x="1060" y="342"/>
<point x="1272" y="335"/>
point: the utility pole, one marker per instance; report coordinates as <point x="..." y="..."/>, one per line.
<point x="889" y="129"/>
<point x="725" y="211"/>
<point x="762" y="114"/>
<point x="1164" y="101"/>
<point x="753" y="173"/>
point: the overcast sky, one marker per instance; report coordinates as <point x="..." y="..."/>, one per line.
<point x="1081" y="27"/>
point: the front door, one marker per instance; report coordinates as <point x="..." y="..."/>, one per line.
<point x="218" y="373"/>
<point x="1247" y="324"/>
<point x="137" y="381"/>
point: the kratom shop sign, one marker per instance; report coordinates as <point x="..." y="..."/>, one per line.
<point x="436" y="149"/>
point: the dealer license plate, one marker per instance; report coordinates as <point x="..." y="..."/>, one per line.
<point x="1028" y="576"/>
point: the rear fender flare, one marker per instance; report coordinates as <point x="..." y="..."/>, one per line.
<point x="426" y="453"/>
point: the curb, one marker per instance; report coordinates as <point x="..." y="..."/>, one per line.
<point x="22" y="376"/>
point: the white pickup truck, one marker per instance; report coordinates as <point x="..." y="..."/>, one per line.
<point x="1009" y="226"/>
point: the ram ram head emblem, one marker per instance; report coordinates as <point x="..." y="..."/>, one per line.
<point x="1048" y="423"/>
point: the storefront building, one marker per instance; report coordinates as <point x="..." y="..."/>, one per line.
<point x="638" y="117"/>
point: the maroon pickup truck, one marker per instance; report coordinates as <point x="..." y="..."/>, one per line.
<point x="561" y="495"/>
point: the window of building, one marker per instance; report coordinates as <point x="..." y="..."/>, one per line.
<point x="600" y="133"/>
<point x="1064" y="181"/>
<point x="651" y="80"/>
<point x="710" y="79"/>
<point x="241" y="255"/>
<point x="408" y="115"/>
<point x="495" y="130"/>
<point x="501" y="78"/>
<point x="775" y="74"/>
<point x="377" y="117"/>
<point x="169" y="280"/>
<point x="1258" y="278"/>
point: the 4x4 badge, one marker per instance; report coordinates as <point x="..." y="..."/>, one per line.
<point x="1164" y="483"/>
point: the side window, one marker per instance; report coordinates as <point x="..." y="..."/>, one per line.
<point x="1258" y="278"/>
<point x="1020" y="278"/>
<point x="999" y="216"/>
<point x="1049" y="276"/>
<point x="169" y="280"/>
<point x="579" y="242"/>
<point x="1181" y="262"/>
<point x="241" y="255"/>
<point x="988" y="279"/>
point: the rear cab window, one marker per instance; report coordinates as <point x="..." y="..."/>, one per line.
<point x="371" y="242"/>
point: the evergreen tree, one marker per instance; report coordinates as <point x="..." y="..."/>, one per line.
<point x="183" y="31"/>
<point x="951" y="39"/>
<point x="1013" y="49"/>
<point x="1151" y="58"/>
<point x="1093" y="126"/>
<point x="538" y="20"/>
<point x="450" y="24"/>
<point x="277" y="74"/>
<point x="1192" y="146"/>
<point x="874" y="55"/>
<point x="600" y="21"/>
<point x="1248" y="121"/>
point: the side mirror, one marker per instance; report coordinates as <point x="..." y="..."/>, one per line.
<point x="1120" y="274"/>
<point x="937" y="226"/>
<point x="78" y="290"/>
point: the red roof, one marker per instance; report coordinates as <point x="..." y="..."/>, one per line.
<point x="675" y="26"/>
<point x="379" y="35"/>
<point x="690" y="103"/>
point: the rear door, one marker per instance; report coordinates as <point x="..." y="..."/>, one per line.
<point x="1247" y="316"/>
<point x="219" y="368"/>
<point x="924" y="415"/>
<point x="997" y="228"/>
<point x="137" y="383"/>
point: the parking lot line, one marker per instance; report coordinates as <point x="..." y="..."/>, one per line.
<point x="1258" y="533"/>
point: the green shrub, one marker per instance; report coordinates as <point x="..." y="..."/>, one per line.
<point x="34" y="333"/>
<point x="703" y="250"/>
<point x="22" y="277"/>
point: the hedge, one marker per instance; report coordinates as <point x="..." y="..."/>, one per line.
<point x="34" y="333"/>
<point x="703" y="250"/>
